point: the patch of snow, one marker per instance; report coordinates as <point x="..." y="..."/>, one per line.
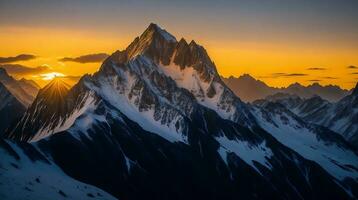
<point x="189" y="79"/>
<point x="246" y="151"/>
<point x="85" y="122"/>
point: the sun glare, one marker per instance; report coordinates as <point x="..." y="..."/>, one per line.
<point x="52" y="75"/>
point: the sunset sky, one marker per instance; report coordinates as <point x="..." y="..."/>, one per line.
<point x="277" y="41"/>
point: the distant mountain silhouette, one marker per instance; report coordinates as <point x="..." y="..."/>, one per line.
<point x="250" y="89"/>
<point x="23" y="90"/>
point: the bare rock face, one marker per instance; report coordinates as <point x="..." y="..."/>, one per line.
<point x="155" y="43"/>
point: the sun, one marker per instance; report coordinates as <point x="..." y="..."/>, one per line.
<point x="52" y="75"/>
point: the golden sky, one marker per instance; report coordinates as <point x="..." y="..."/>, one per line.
<point x="260" y="59"/>
<point x="276" y="42"/>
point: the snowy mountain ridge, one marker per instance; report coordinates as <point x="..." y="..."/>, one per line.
<point x="340" y="117"/>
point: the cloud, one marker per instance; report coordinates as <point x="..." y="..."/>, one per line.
<point x="329" y="77"/>
<point x="280" y="74"/>
<point x="316" y="68"/>
<point x="352" y="67"/>
<point x="21" y="57"/>
<point x="90" y="58"/>
<point x="17" y="69"/>
<point x="314" y="80"/>
<point x="354" y="73"/>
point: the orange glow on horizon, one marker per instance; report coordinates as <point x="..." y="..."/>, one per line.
<point x="259" y="59"/>
<point x="52" y="75"/>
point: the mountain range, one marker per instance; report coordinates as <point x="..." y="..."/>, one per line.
<point x="156" y="121"/>
<point x="24" y="90"/>
<point x="250" y="89"/>
<point x="15" y="97"/>
<point x="341" y="117"/>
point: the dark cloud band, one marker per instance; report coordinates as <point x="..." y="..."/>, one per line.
<point x="316" y="68"/>
<point x="288" y="74"/>
<point x="90" y="58"/>
<point x="17" y="69"/>
<point x="21" y="57"/>
<point x="329" y="77"/>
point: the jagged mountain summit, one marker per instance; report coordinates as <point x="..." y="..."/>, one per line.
<point x="157" y="122"/>
<point x="250" y="89"/>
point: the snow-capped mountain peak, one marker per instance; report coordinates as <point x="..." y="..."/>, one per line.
<point x="161" y="80"/>
<point x="189" y="65"/>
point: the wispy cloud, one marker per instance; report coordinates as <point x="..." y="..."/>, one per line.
<point x="21" y="57"/>
<point x="17" y="69"/>
<point x="329" y="77"/>
<point x="90" y="58"/>
<point x="280" y="74"/>
<point x="314" y="80"/>
<point x="354" y="73"/>
<point x="283" y="75"/>
<point x="352" y="67"/>
<point x="316" y="68"/>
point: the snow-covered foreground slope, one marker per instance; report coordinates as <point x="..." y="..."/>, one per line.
<point x="25" y="174"/>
